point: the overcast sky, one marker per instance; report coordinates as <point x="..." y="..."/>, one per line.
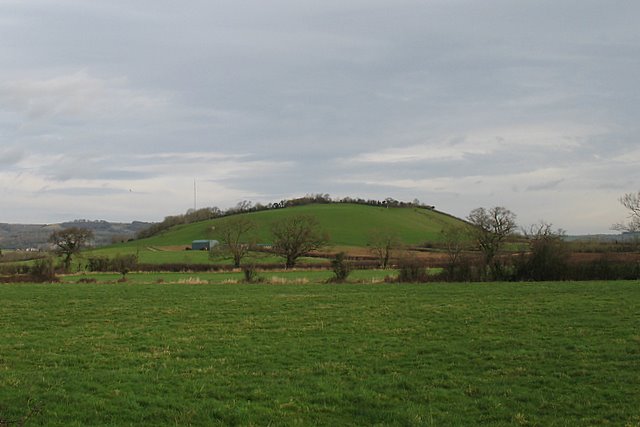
<point x="111" y="109"/>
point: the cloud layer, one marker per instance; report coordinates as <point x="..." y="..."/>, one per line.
<point x="112" y="109"/>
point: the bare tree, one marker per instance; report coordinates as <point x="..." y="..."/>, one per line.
<point x="631" y="201"/>
<point x="234" y="237"/>
<point x="382" y="242"/>
<point x="456" y="239"/>
<point x="491" y="228"/>
<point x="69" y="241"/>
<point x="296" y="236"/>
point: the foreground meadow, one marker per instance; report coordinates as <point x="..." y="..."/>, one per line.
<point x="434" y="354"/>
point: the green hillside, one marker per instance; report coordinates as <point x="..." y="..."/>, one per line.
<point x="346" y="224"/>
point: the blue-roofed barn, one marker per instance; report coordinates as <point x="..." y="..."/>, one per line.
<point x="204" y="245"/>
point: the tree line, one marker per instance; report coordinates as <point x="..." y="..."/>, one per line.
<point x="484" y="235"/>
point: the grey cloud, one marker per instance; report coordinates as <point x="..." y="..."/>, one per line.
<point x="11" y="156"/>
<point x="296" y="90"/>
<point x="75" y="95"/>
<point x="545" y="185"/>
<point x="83" y="191"/>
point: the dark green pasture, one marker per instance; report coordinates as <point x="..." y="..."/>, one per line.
<point x="565" y="354"/>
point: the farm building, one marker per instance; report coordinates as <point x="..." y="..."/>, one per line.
<point x="204" y="245"/>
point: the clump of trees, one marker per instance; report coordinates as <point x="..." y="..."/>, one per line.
<point x="548" y="255"/>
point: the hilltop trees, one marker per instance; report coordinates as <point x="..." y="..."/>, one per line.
<point x="69" y="241"/>
<point x="296" y="236"/>
<point x="170" y="221"/>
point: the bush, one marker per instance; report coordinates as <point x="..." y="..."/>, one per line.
<point x="604" y="268"/>
<point x="99" y="264"/>
<point x="43" y="270"/>
<point x="411" y="270"/>
<point x="465" y="269"/>
<point x="11" y="269"/>
<point x="341" y="267"/>
<point x="250" y="273"/>
<point x="124" y="263"/>
<point x="547" y="258"/>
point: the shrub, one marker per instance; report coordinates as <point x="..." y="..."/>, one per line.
<point x="43" y="270"/>
<point x="98" y="264"/>
<point x="124" y="263"/>
<point x="465" y="269"/>
<point x="341" y="267"/>
<point x="548" y="255"/>
<point x="250" y="273"/>
<point x="603" y="268"/>
<point x="411" y="270"/>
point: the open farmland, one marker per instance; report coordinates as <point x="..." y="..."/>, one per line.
<point x="349" y="227"/>
<point x="437" y="354"/>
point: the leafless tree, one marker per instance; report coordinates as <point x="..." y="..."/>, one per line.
<point x="631" y="201"/>
<point x="69" y="241"/>
<point x="456" y="239"/>
<point x="296" y="236"/>
<point x="490" y="229"/>
<point x="382" y="242"/>
<point x="234" y="236"/>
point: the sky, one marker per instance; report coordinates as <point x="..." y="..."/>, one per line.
<point x="112" y="109"/>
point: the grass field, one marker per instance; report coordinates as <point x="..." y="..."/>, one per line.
<point x="267" y="277"/>
<point x="546" y="354"/>
<point x="347" y="225"/>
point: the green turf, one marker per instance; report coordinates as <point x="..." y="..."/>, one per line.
<point x="291" y="276"/>
<point x="346" y="224"/>
<point x="547" y="354"/>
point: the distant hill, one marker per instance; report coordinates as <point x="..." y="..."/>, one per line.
<point x="347" y="224"/>
<point x="23" y="236"/>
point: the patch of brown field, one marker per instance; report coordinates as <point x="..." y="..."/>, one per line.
<point x="174" y="248"/>
<point x="435" y="259"/>
<point x="614" y="257"/>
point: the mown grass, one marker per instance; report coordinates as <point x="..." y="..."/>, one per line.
<point x="438" y="354"/>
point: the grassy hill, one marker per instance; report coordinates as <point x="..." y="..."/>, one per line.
<point x="347" y="225"/>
